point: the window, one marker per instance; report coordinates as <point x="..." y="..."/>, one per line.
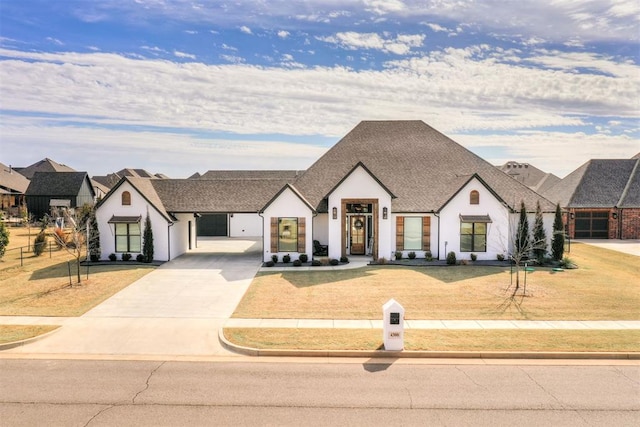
<point x="287" y="234"/>
<point x="126" y="198"/>
<point x="413" y="233"/>
<point x="474" y="198"/>
<point x="473" y="237"/>
<point x="128" y="237"/>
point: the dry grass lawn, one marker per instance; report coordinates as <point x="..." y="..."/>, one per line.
<point x="439" y="340"/>
<point x="41" y="286"/>
<point x="606" y="286"/>
<point x="13" y="333"/>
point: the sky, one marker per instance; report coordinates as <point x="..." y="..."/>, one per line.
<point x="184" y="86"/>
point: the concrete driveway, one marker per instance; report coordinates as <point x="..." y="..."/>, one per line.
<point x="175" y="310"/>
<point x="631" y="247"/>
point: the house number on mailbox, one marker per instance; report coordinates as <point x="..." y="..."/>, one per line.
<point x="394" y="319"/>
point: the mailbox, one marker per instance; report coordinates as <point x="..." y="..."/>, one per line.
<point x="393" y="325"/>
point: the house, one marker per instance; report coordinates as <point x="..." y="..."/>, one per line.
<point x="530" y="176"/>
<point x="12" y="188"/>
<point x="108" y="181"/>
<point x="44" y="165"/>
<point x="49" y="190"/>
<point x="386" y="186"/>
<point x="602" y="199"/>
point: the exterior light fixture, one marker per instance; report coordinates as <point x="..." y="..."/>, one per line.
<point x="615" y="215"/>
<point x="385" y="213"/>
<point x="572" y="215"/>
<point x="335" y="213"/>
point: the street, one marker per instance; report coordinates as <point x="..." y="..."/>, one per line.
<point x="317" y="392"/>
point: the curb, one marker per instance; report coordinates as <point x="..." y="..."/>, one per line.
<point x="14" y="344"/>
<point x="256" y="352"/>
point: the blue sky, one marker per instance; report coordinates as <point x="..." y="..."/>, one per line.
<point x="181" y="86"/>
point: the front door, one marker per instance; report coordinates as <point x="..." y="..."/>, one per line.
<point x="357" y="235"/>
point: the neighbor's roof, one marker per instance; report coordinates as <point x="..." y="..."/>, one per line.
<point x="419" y="165"/>
<point x="250" y="174"/>
<point x="44" y="165"/>
<point x="600" y="183"/>
<point x="11" y="181"/>
<point x="56" y="184"/>
<point x="529" y="175"/>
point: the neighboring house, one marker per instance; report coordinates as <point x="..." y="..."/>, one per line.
<point x="530" y="176"/>
<point x="387" y="186"/>
<point x="110" y="180"/>
<point x="602" y="199"/>
<point x="49" y="190"/>
<point x="12" y="188"/>
<point x="45" y="165"/>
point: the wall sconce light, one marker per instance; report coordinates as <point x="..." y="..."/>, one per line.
<point x="385" y="213"/>
<point x="615" y="215"/>
<point x="572" y="215"/>
<point x="335" y="213"/>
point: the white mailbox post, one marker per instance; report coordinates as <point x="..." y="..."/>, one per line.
<point x="393" y="325"/>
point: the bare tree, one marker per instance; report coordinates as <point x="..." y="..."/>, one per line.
<point x="73" y="236"/>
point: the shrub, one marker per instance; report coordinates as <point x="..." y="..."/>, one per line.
<point x="316" y="263"/>
<point x="303" y="257"/>
<point x="474" y="257"/>
<point x="274" y="258"/>
<point x="451" y="258"/>
<point x="147" y="240"/>
<point x="112" y="257"/>
<point x="428" y="256"/>
<point x="126" y="256"/>
<point x="568" y="263"/>
<point x="94" y="257"/>
<point x="4" y="238"/>
<point x="382" y="261"/>
<point x="61" y="237"/>
<point x="344" y="259"/>
<point x="269" y="263"/>
<point x="297" y="263"/>
<point x="398" y="255"/>
<point x="334" y="261"/>
<point x="464" y="262"/>
<point x="140" y="258"/>
<point x="286" y="258"/>
<point x="412" y="255"/>
<point x="500" y="257"/>
<point x="40" y="243"/>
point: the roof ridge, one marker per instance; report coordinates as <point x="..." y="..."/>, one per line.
<point x="629" y="181"/>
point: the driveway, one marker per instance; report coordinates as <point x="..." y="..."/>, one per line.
<point x="631" y="247"/>
<point x="175" y="310"/>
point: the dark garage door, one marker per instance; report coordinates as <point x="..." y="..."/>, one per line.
<point x="212" y="225"/>
<point x="592" y="225"/>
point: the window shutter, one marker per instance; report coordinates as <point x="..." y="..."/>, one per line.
<point x="399" y="233"/>
<point x="426" y="233"/>
<point x="302" y="234"/>
<point x="274" y="235"/>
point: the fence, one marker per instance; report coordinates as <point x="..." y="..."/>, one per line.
<point x="25" y="252"/>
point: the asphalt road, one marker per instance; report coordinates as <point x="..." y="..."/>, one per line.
<point x="156" y="393"/>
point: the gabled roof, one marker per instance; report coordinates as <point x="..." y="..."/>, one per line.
<point x="44" y="165"/>
<point x="375" y="178"/>
<point x="419" y="165"/>
<point x="144" y="187"/>
<point x="600" y="183"/>
<point x="57" y="184"/>
<point x="481" y="181"/>
<point x="11" y="181"/>
<point x="529" y="175"/>
<point x="294" y="191"/>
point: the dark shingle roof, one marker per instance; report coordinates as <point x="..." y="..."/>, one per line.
<point x="56" y="184"/>
<point x="418" y="164"/>
<point x="250" y="174"/>
<point x="600" y="183"/>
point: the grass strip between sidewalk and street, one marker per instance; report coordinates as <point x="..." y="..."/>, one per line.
<point x="439" y="339"/>
<point x="13" y="333"/>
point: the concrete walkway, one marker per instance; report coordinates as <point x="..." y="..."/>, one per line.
<point x="175" y="310"/>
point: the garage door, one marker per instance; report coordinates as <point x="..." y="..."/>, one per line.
<point x="212" y="225"/>
<point x="592" y="225"/>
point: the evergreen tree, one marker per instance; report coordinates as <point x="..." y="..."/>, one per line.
<point x="522" y="237"/>
<point x="4" y="238"/>
<point x="94" y="238"/>
<point x="539" y="236"/>
<point x="557" y="243"/>
<point x="147" y="240"/>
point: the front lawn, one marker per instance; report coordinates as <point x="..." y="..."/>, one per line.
<point x="604" y="287"/>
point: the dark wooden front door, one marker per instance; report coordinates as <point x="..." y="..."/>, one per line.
<point x="358" y="235"/>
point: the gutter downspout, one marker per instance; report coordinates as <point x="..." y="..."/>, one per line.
<point x="260" y="215"/>
<point x="437" y="215"/>
<point x="169" y="240"/>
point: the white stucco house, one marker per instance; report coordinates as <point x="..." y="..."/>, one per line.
<point x="386" y="186"/>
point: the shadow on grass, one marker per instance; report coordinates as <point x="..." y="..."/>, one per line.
<point x="305" y="279"/>
<point x="458" y="273"/>
<point x="61" y="269"/>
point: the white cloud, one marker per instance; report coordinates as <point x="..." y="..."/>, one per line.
<point x="400" y="45"/>
<point x="55" y="41"/>
<point x="382" y="7"/>
<point x="283" y="34"/>
<point x="437" y="28"/>
<point x="179" y="54"/>
<point x="246" y="29"/>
